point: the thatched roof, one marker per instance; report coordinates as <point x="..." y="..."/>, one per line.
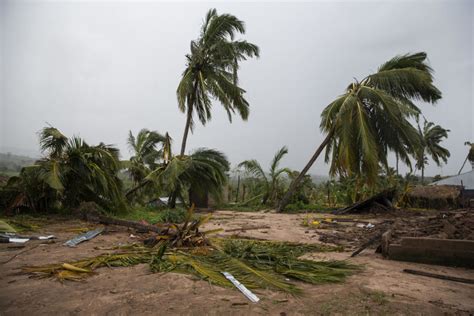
<point x="432" y="192"/>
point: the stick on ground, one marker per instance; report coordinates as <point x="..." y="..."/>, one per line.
<point x="439" y="276"/>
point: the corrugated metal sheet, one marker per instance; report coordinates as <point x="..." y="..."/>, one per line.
<point x="465" y="179"/>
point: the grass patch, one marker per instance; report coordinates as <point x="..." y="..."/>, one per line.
<point x="153" y="215"/>
<point x="26" y="222"/>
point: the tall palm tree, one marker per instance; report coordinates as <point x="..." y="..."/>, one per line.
<point x="212" y="71"/>
<point x="431" y="136"/>
<point x="272" y="181"/>
<point x="145" y="153"/>
<point x="372" y="118"/>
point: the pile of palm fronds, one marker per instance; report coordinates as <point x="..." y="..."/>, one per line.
<point x="256" y="264"/>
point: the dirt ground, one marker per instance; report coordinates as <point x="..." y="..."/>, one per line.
<point x="381" y="288"/>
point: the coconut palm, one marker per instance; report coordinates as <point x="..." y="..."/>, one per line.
<point x="212" y="71"/>
<point x="271" y="182"/>
<point x="71" y="172"/>
<point x="372" y="118"/>
<point x="431" y="136"/>
<point x="145" y="153"/>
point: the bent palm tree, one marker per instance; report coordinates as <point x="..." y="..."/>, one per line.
<point x="212" y="71"/>
<point x="372" y="118"/>
<point x="71" y="172"/>
<point x="431" y="136"/>
<point x="270" y="183"/>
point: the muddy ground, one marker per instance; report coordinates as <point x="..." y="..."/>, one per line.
<point x="381" y="288"/>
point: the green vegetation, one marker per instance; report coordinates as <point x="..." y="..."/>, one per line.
<point x="431" y="136"/>
<point x="270" y="187"/>
<point x="153" y="216"/>
<point x="71" y="172"/>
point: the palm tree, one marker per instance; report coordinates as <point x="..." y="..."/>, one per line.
<point x="145" y="153"/>
<point x="272" y="181"/>
<point x="431" y="136"/>
<point x="372" y="118"/>
<point x="212" y="71"/>
<point x="71" y="172"/>
<point x="204" y="171"/>
<point x="470" y="156"/>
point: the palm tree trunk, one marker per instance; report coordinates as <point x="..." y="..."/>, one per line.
<point x="172" y="199"/>
<point x="396" y="156"/>
<point x="238" y="187"/>
<point x="137" y="187"/>
<point x="422" y="175"/>
<point x="291" y="190"/>
<point x="463" y="164"/>
<point x="189" y="115"/>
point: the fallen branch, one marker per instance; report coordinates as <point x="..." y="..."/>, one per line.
<point x="248" y="228"/>
<point x="130" y="224"/>
<point x="21" y="252"/>
<point x="439" y="276"/>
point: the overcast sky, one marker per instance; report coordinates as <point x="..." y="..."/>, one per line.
<point x="100" y="69"/>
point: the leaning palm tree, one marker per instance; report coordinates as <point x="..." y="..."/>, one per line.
<point x="212" y="71"/>
<point x="372" y="118"/>
<point x="271" y="181"/>
<point x="470" y="156"/>
<point x="431" y="136"/>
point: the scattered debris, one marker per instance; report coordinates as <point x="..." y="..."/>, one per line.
<point x="371" y="241"/>
<point x="241" y="287"/>
<point x="83" y="237"/>
<point x="439" y="276"/>
<point x="256" y="264"/>
<point x="14" y="238"/>
<point x="380" y="201"/>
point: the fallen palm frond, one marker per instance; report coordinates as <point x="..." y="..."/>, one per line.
<point x="256" y="264"/>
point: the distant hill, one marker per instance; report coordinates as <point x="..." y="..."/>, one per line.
<point x="11" y="163"/>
